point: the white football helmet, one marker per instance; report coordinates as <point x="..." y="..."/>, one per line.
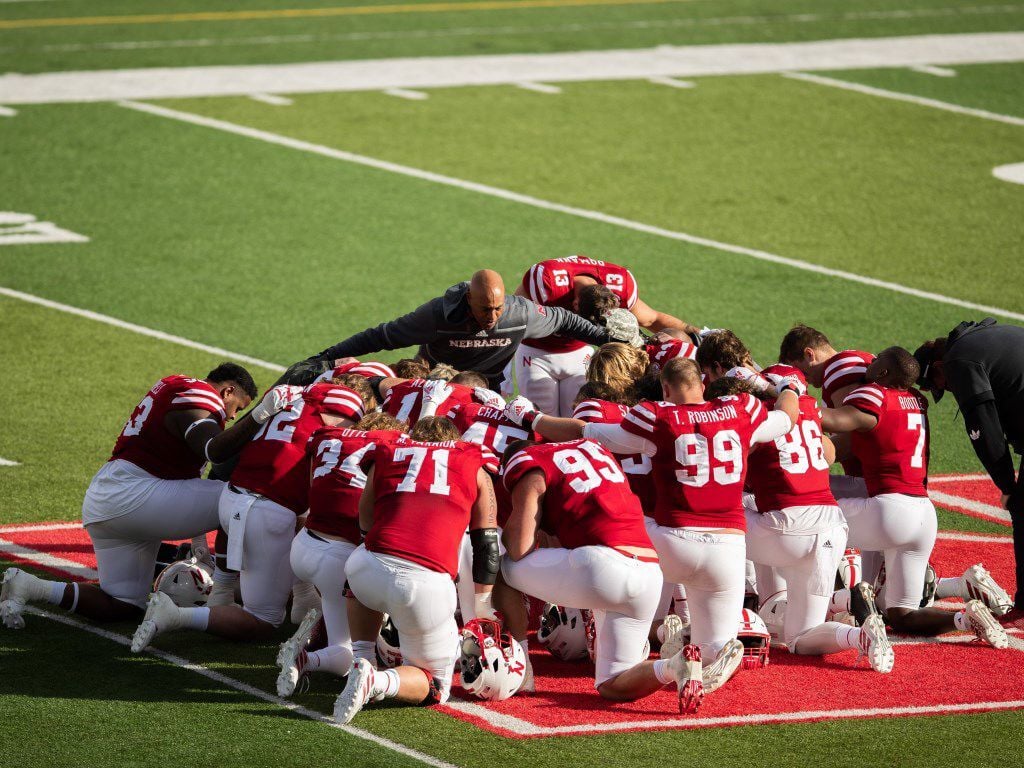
<point x="563" y="632"/>
<point x="389" y="647"/>
<point x="755" y="638"/>
<point x="186" y="582"/>
<point x="773" y="613"/>
<point x="492" y="664"/>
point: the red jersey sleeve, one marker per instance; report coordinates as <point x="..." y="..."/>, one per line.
<point x="755" y="410"/>
<point x="869" y="398"/>
<point x="640" y="420"/>
<point x="598" y="412"/>
<point x="545" y="283"/>
<point x="519" y="465"/>
<point x="842" y="370"/>
<point x="197" y="395"/>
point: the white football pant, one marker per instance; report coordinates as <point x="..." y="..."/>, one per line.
<point x="551" y="380"/>
<point x="420" y="602"/>
<point x="623" y="593"/>
<point x="127" y="513"/>
<point x="321" y="562"/>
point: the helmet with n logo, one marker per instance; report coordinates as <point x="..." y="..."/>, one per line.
<point x="492" y="665"/>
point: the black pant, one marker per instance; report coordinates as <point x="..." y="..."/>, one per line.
<point x="1016" y="507"/>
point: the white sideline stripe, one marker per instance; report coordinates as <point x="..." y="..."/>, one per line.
<point x="526" y="728"/>
<point x="245" y="688"/>
<point x="516" y="197"/>
<point x="909" y="98"/>
<point x="672" y="82"/>
<point x="90" y="315"/>
<point x="51" y="561"/>
<point x="1013" y="173"/>
<point x="936" y="71"/>
<point x="453" y="71"/>
<point x="269" y="98"/>
<point x="43" y="527"/>
<point x="975" y="506"/>
<point x="956" y="478"/>
<point x="539" y="88"/>
<point x="9" y="463"/>
<point x="713" y="21"/>
<point x="404" y="93"/>
<point x="975" y="537"/>
<point x="7" y="112"/>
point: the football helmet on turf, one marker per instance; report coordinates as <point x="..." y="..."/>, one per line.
<point x="186" y="582"/>
<point x="563" y="632"/>
<point x="756" y="641"/>
<point x="492" y="664"/>
<point x="389" y="647"/>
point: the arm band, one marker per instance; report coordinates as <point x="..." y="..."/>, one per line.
<point x="195" y="424"/>
<point x="486" y="558"/>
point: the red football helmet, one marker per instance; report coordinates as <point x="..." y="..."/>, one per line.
<point x="755" y="638"/>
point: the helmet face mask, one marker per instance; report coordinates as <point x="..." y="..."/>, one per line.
<point x="755" y="638"/>
<point x="492" y="665"/>
<point x="186" y="582"/>
<point x="563" y="632"/>
<point x="389" y="647"/>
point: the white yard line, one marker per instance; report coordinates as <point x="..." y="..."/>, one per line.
<point x="909" y="98"/>
<point x="539" y="88"/>
<point x="672" y="82"/>
<point x="535" y="202"/>
<point x="974" y="537"/>
<point x="106" y="319"/>
<point x="41" y="527"/>
<point x="539" y="29"/>
<point x="956" y="478"/>
<point x="7" y="112"/>
<point x="271" y="99"/>
<point x="405" y="93"/>
<point x="924" y="69"/>
<point x="9" y="463"/>
<point x="989" y="510"/>
<point x="47" y="560"/>
<point x="451" y="71"/>
<point x="1013" y="173"/>
<point x="245" y="688"/>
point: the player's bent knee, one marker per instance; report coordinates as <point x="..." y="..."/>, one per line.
<point x="436" y="693"/>
<point x="897" y="618"/>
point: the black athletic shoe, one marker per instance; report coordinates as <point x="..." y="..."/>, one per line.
<point x="862" y="602"/>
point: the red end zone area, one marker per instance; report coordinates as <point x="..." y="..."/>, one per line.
<point x="931" y="677"/>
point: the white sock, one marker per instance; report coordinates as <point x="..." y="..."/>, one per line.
<point x="225" y="577"/>
<point x="961" y="621"/>
<point x="57" y="592"/>
<point x="829" y="637"/>
<point x="661" y="672"/>
<point x="365" y="649"/>
<point x="196" y="618"/>
<point x="951" y="586"/>
<point x="385" y="684"/>
<point x="333" y="658"/>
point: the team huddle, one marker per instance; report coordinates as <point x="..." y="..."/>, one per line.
<point x="660" y="491"/>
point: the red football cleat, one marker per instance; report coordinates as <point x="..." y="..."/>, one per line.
<point x="689" y="676"/>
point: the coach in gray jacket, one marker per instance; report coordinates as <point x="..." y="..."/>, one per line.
<point x="475" y="326"/>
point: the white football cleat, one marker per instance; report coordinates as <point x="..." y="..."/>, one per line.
<point x="718" y="672"/>
<point x="686" y="668"/>
<point x="357" y="692"/>
<point x="19" y="588"/>
<point x="981" y="586"/>
<point x="674" y="634"/>
<point x="985" y="626"/>
<point x="162" y="615"/>
<point x="293" y="650"/>
<point x="875" y="645"/>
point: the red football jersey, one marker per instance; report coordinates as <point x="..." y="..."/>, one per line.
<point x="550" y="283"/>
<point x="404" y="401"/>
<point x="842" y="370"/>
<point x="274" y="463"/>
<point x="659" y="354"/>
<point x="700" y="462"/>
<point x="636" y="466"/>
<point x="894" y="454"/>
<point x="146" y="442"/>
<point x="368" y="370"/>
<point x="488" y="426"/>
<point x="424" y="499"/>
<point x="792" y="471"/>
<point x="337" y="479"/>
<point x="587" y="501"/>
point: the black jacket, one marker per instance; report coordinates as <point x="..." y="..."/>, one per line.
<point x="984" y="368"/>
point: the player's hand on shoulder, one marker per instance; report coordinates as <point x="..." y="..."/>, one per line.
<point x="275" y="401"/>
<point x="488" y="397"/>
<point x="437" y="391"/>
<point x="519" y="409"/>
<point x="622" y="326"/>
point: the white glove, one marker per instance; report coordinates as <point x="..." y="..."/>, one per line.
<point x="520" y="410"/>
<point x="435" y="392"/>
<point x="779" y="382"/>
<point x="275" y="401"/>
<point x="704" y="332"/>
<point x="488" y="397"/>
<point x="758" y="382"/>
<point x="622" y="326"/>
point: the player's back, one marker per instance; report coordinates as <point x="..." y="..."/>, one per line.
<point x="661" y="352"/>
<point x="404" y="401"/>
<point x="587" y="501"/>
<point x="424" y="495"/>
<point x="701" y="459"/>
<point x="894" y="454"/>
<point x="636" y="466"/>
<point x="842" y="370"/>
<point x="145" y="440"/>
<point x="337" y="480"/>
<point x="792" y="471"/>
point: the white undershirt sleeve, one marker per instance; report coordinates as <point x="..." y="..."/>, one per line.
<point x="776" y="425"/>
<point x="617" y="440"/>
